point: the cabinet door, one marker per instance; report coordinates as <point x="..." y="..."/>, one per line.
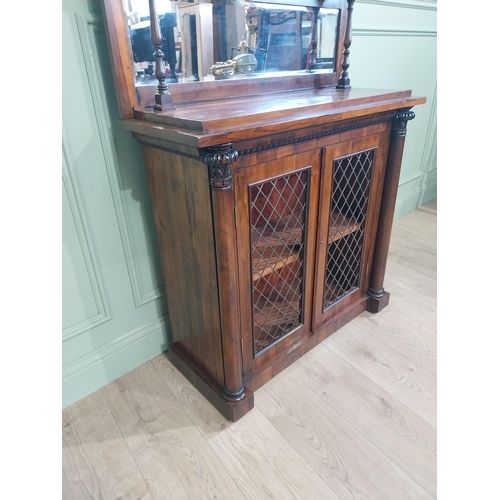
<point x="277" y="209"/>
<point x="349" y="205"/>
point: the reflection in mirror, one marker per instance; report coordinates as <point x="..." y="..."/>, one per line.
<point x="231" y="39"/>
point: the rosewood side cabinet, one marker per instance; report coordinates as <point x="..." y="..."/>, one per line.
<point x="273" y="201"/>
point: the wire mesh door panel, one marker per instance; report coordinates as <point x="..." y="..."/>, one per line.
<point x="280" y="253"/>
<point x="351" y="182"/>
<point x="347" y="225"/>
<point x="278" y="211"/>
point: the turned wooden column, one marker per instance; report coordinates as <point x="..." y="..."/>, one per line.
<point x="163" y="98"/>
<point x="379" y="298"/>
<point x="313" y="45"/>
<point x="220" y="161"/>
<point x="344" y="80"/>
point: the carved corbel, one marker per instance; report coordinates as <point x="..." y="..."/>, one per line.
<point x="220" y="161"/>
<point x="400" y="120"/>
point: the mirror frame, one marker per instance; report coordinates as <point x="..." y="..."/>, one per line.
<point x="130" y="97"/>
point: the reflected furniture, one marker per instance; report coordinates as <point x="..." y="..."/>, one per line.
<point x="273" y="198"/>
<point x="140" y="37"/>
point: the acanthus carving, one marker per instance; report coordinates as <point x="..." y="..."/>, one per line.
<point x="220" y="161"/>
<point x="400" y="121"/>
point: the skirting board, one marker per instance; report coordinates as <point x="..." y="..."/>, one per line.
<point x="99" y="369"/>
<point x="416" y="198"/>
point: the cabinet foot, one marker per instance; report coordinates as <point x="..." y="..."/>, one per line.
<point x="231" y="410"/>
<point x="376" y="304"/>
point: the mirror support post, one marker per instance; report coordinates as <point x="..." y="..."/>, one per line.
<point x="313" y="46"/>
<point x="163" y="98"/>
<point x="344" y="81"/>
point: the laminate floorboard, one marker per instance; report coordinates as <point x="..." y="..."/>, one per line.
<point x="420" y="288"/>
<point x="404" y="437"/>
<point x="414" y="255"/>
<point x="346" y="460"/>
<point x="172" y="455"/>
<point x="94" y="403"/>
<point x="258" y="457"/>
<point x="354" y="418"/>
<point x="404" y="306"/>
<point x="320" y="366"/>
<point x="416" y="343"/>
<point x="97" y="463"/>
<point x="398" y="375"/>
<point x="414" y="240"/>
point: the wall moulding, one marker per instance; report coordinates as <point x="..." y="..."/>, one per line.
<point x="429" y="152"/>
<point x="415" y="198"/>
<point x="428" y="160"/>
<point x="96" y="282"/>
<point x="113" y="347"/>
<point x="407" y="4"/>
<point x="88" y="30"/>
<point x="101" y="367"/>
<point x="388" y="32"/>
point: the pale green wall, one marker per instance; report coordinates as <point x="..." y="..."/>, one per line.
<point x="114" y="318"/>
<point x="113" y="312"/>
<point x="394" y="47"/>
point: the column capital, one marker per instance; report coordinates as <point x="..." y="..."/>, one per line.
<point x="400" y="120"/>
<point x="220" y="161"/>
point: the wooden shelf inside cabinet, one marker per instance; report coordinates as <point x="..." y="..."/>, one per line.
<point x="272" y="312"/>
<point x="275" y="244"/>
<point x="269" y="242"/>
<point x="341" y="226"/>
<point x="271" y="260"/>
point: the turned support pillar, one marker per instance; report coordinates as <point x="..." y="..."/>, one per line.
<point x="379" y="298"/>
<point x="163" y="98"/>
<point x="344" y="80"/>
<point x="220" y="161"/>
<point x="313" y="45"/>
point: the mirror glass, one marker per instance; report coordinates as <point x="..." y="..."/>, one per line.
<point x="231" y="39"/>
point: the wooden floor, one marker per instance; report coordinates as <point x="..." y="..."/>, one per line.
<point x="355" y="418"/>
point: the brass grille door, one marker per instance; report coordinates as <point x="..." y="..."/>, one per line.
<point x="276" y="239"/>
<point x="351" y="187"/>
<point x="278" y="210"/>
<point x="352" y="177"/>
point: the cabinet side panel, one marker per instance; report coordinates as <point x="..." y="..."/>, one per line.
<point x="183" y="217"/>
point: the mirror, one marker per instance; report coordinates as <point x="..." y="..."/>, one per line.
<point x="231" y="39"/>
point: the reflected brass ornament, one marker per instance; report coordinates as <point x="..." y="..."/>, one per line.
<point x="242" y="63"/>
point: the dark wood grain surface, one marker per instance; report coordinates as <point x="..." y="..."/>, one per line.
<point x="121" y="57"/>
<point x="183" y="218"/>
<point x="215" y="114"/>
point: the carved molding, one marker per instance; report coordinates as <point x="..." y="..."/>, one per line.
<point x="310" y="137"/>
<point x="168" y="150"/>
<point x="220" y="160"/>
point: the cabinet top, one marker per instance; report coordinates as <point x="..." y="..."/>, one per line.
<point x="220" y="121"/>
